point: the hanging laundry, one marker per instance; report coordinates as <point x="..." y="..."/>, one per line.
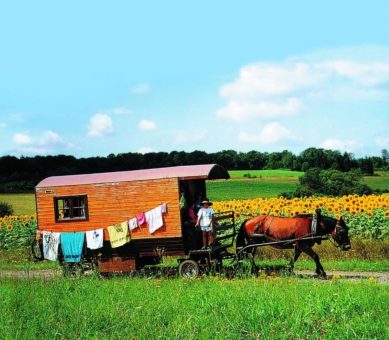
<point x="119" y="234"/>
<point x="164" y="208"/>
<point x="141" y="219"/>
<point x="50" y="245"/>
<point x="154" y="219"/>
<point x="72" y="245"/>
<point x="133" y="223"/>
<point x="95" y="239"/>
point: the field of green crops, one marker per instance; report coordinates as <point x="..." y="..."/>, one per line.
<point x="209" y="308"/>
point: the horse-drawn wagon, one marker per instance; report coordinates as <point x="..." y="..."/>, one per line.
<point x="140" y="217"/>
<point x="85" y="203"/>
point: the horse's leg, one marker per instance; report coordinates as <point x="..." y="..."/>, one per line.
<point x="297" y="253"/>
<point x="319" y="268"/>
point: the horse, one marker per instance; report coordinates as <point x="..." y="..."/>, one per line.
<point x="298" y="229"/>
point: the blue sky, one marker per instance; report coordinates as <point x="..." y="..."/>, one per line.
<point x="92" y="78"/>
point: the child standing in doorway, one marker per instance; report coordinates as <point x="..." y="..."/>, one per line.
<point x="205" y="221"/>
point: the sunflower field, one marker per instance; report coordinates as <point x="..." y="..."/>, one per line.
<point x="17" y="231"/>
<point x="366" y="216"/>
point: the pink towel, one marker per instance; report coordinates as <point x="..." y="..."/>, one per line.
<point x="141" y="219"/>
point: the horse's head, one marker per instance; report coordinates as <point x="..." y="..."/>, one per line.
<point x="340" y="235"/>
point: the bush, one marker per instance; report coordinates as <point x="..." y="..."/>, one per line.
<point x="5" y="209"/>
<point x="331" y="182"/>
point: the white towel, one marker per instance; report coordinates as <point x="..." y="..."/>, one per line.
<point x="154" y="219"/>
<point x="133" y="223"/>
<point x="50" y="245"/>
<point x="95" y="239"/>
<point x="164" y="208"/>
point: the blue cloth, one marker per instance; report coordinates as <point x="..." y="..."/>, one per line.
<point x="72" y="245"/>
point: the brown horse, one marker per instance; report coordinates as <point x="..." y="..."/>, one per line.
<point x="298" y="229"/>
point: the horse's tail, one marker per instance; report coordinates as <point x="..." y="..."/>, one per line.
<point x="241" y="238"/>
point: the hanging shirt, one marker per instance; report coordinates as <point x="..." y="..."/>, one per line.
<point x="50" y="245"/>
<point x="133" y="223"/>
<point x="95" y="239"/>
<point x="154" y="219"/>
<point x="72" y="245"/>
<point x="205" y="215"/>
<point x="119" y="234"/>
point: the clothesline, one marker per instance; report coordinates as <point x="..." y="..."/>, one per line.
<point x="119" y="234"/>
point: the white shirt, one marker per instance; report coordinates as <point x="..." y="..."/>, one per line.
<point x="205" y="215"/>
<point x="50" y="245"/>
<point x="95" y="239"/>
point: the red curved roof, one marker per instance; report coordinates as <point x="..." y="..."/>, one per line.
<point x="205" y="171"/>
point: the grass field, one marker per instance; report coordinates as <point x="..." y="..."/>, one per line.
<point x="209" y="308"/>
<point x="23" y="204"/>
<point x="377" y="182"/>
<point x="250" y="188"/>
<point x="265" y="173"/>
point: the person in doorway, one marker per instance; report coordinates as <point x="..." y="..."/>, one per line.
<point x="205" y="218"/>
<point x="192" y="218"/>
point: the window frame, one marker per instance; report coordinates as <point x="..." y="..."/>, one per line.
<point x="70" y="219"/>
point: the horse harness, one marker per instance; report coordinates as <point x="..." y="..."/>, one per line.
<point x="260" y="223"/>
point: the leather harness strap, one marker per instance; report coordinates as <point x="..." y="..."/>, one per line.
<point x="268" y="227"/>
<point x="259" y="224"/>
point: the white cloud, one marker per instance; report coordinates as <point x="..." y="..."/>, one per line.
<point x="140" y="89"/>
<point x="271" y="133"/>
<point x="147" y="125"/>
<point x="21" y="139"/>
<point x="100" y="124"/>
<point x="249" y="110"/>
<point x="265" y="79"/>
<point x="382" y="142"/>
<point x="3" y="125"/>
<point x="337" y="144"/>
<point x="280" y="89"/>
<point x="51" y="137"/>
<point x="145" y="149"/>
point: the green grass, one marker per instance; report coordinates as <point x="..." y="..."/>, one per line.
<point x="208" y="308"/>
<point x="250" y="188"/>
<point x="21" y="259"/>
<point x="341" y="265"/>
<point x="377" y="182"/>
<point x="265" y="173"/>
<point x="23" y="204"/>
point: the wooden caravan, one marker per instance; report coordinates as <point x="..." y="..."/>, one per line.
<point x="92" y="201"/>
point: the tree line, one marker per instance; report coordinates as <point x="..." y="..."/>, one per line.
<point x="22" y="174"/>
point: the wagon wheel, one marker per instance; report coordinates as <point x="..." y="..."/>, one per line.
<point x="37" y="250"/>
<point x="189" y="269"/>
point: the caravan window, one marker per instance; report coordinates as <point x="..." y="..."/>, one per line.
<point x="71" y="208"/>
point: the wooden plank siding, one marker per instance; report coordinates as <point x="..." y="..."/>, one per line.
<point x="110" y="203"/>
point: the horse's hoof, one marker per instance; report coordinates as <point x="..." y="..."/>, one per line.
<point x="321" y="275"/>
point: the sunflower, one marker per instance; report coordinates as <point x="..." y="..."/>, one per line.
<point x="10" y="227"/>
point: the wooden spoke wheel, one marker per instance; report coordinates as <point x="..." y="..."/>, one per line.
<point x="189" y="269"/>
